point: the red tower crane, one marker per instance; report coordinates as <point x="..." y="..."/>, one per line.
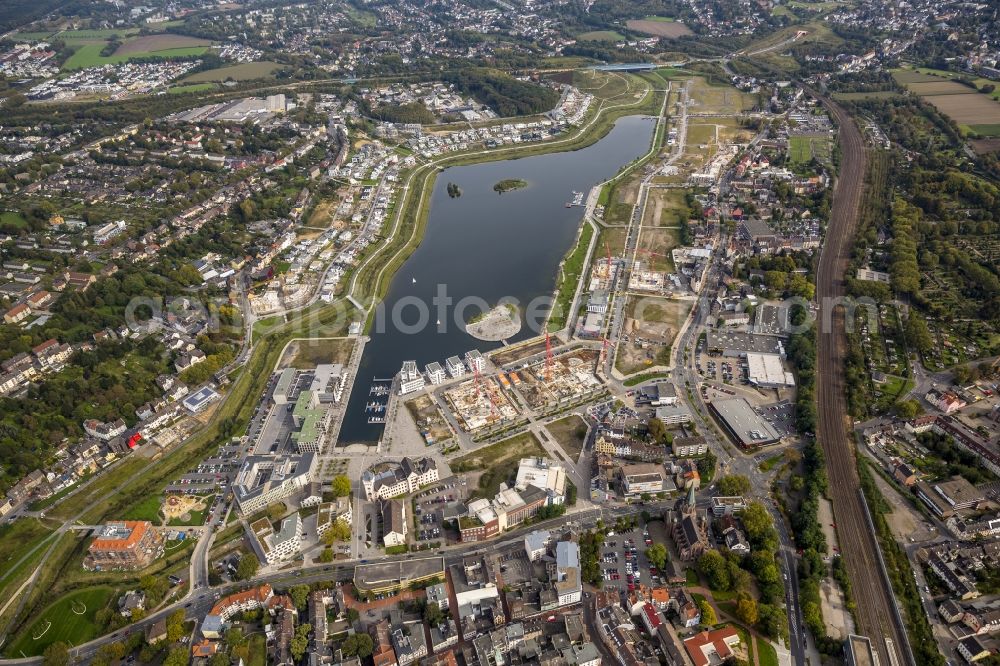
<point x="548" y="358"/>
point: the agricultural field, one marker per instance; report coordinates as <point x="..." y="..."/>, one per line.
<point x="855" y="96"/>
<point x="71" y="620"/>
<point x="659" y="26"/>
<point x="973" y="111"/>
<point x="601" y="36"/>
<point x="246" y="71"/>
<point x="925" y="88"/>
<point x="89" y="54"/>
<point x="150" y="44"/>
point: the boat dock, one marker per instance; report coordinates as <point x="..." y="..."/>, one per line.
<point x="577" y="200"/>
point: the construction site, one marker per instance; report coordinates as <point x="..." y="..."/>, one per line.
<point x="480" y="402"/>
<point x="560" y="379"/>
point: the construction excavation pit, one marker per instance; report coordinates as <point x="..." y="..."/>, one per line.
<point x="563" y="379"/>
<point x="480" y="403"/>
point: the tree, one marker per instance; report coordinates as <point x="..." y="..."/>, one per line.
<point x="433" y="614"/>
<point x="358" y="645"/>
<point x="177" y="657"/>
<point x="746" y="609"/>
<point x="917" y="334"/>
<point x="248" y="567"/>
<point x="175" y="625"/>
<point x="759" y="526"/>
<point x="219" y="659"/>
<point x="300" y="641"/>
<point x="907" y="409"/>
<point x="353" y="615"/>
<point x="341" y="486"/>
<point x="657" y="555"/>
<point x="708" y="617"/>
<point x="734" y="484"/>
<point x="713" y="566"/>
<point x="56" y="654"/>
<point x="340" y="530"/>
<point x="326" y="555"/>
<point x="299" y="595"/>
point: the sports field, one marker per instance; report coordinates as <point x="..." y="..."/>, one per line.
<point x="70" y="620"/>
<point x="804" y="147"/>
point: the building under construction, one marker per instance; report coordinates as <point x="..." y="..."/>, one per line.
<point x="558" y="379"/>
<point x="479" y="403"/>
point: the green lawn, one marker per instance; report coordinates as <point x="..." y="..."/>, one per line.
<point x="70" y="620"/>
<point x="569" y="276"/>
<point x="691" y="577"/>
<point x="147" y="509"/>
<point x="193" y="87"/>
<point x="89" y="55"/>
<point x="12" y="218"/>
<point x="766" y="654"/>
<point x="661" y="19"/>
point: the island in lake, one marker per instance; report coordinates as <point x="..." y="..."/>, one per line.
<point x="508" y="184"/>
<point x="454" y="190"/>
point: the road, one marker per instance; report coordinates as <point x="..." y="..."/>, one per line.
<point x="876" y="605"/>
<point x="197" y="604"/>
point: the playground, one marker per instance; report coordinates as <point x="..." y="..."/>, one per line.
<point x="185" y="509"/>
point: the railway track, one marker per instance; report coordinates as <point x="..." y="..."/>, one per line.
<point x="876" y="605"/>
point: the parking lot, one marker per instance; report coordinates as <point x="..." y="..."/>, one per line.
<point x="781" y="415"/>
<point x="623" y="561"/>
<point x="432" y="502"/>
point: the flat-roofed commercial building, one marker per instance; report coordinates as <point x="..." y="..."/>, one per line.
<point x="745" y="426"/>
<point x="391" y="577"/>
<point x="767" y="371"/>
<point x="641" y="478"/>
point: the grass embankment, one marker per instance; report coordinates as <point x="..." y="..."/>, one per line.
<point x="569" y="276"/>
